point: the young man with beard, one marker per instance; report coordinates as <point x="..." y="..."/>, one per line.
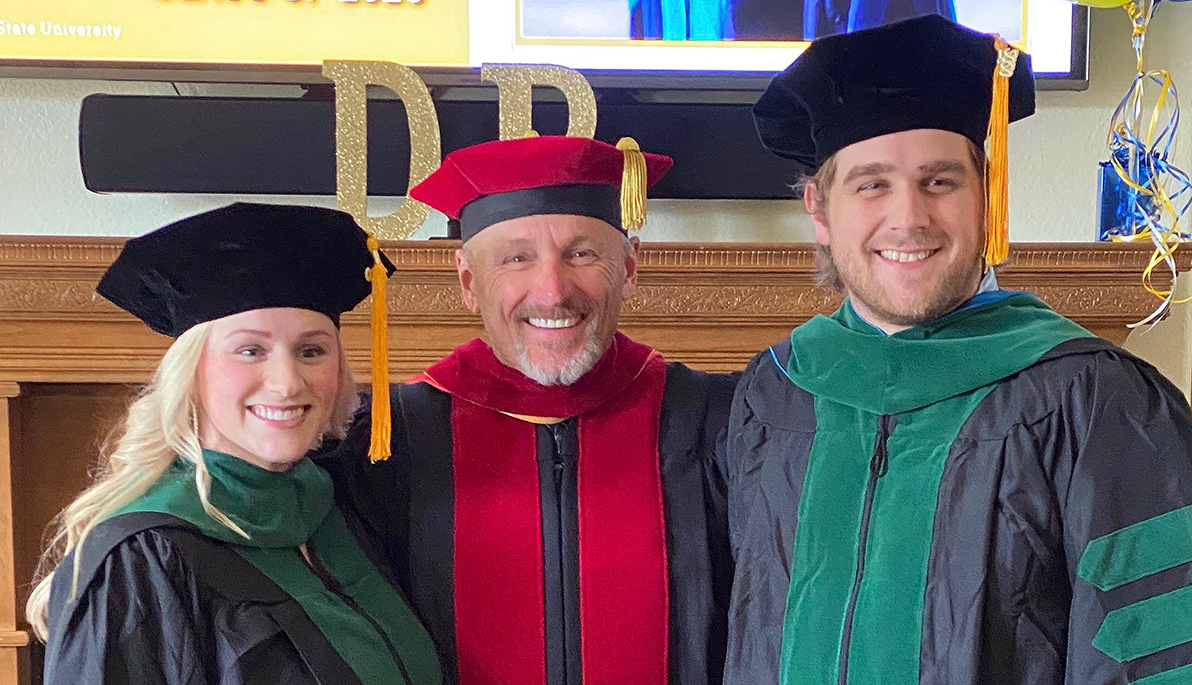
<point x="943" y="482"/>
<point x="552" y="505"/>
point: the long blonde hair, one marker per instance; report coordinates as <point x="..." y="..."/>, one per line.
<point x="162" y="424"/>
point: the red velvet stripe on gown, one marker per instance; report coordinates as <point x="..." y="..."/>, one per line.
<point x="499" y="623"/>
<point x="622" y="538"/>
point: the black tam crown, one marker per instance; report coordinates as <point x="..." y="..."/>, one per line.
<point x="238" y="258"/>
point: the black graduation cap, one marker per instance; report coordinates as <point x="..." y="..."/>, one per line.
<point x="922" y="73"/>
<point x="926" y="72"/>
<point x="238" y="258"/>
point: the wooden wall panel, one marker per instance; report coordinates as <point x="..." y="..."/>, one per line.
<point x="60" y="430"/>
<point x="62" y="427"/>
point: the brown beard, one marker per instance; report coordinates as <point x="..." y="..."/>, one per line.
<point x="956" y="286"/>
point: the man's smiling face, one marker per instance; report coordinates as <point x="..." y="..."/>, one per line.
<point x="549" y="289"/>
<point x="904" y="218"/>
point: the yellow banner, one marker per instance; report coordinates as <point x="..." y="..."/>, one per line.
<point x="302" y="32"/>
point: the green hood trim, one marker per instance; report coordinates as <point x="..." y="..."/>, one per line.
<point x="846" y="360"/>
<point x="277" y="509"/>
<point x="280" y="512"/>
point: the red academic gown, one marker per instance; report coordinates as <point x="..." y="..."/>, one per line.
<point x="555" y="535"/>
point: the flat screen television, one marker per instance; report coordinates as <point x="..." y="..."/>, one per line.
<point x="647" y="44"/>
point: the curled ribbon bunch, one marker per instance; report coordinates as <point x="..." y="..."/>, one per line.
<point x="1141" y="137"/>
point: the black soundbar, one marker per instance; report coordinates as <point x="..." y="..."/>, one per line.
<point x="275" y="146"/>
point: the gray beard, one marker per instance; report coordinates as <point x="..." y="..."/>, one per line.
<point x="568" y="373"/>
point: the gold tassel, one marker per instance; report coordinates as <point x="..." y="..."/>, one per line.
<point x="634" y="180"/>
<point x="997" y="200"/>
<point x="379" y="446"/>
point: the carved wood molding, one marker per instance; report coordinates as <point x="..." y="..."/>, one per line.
<point x="711" y="304"/>
<point x="42" y="251"/>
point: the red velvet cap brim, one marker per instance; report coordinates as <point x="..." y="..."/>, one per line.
<point x="502" y="166"/>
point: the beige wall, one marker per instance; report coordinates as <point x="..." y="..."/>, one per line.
<point x="1053" y="167"/>
<point x="1053" y="157"/>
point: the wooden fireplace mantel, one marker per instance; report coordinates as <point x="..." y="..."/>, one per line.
<point x="711" y="305"/>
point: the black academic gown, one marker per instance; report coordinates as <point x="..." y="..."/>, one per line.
<point x="160" y="603"/>
<point x="407" y="502"/>
<point x="1060" y="550"/>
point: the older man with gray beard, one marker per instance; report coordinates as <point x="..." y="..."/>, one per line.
<point x="553" y="507"/>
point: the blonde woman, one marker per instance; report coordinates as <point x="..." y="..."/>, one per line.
<point x="210" y="549"/>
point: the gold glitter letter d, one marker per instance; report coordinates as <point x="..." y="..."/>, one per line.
<point x="351" y="141"/>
